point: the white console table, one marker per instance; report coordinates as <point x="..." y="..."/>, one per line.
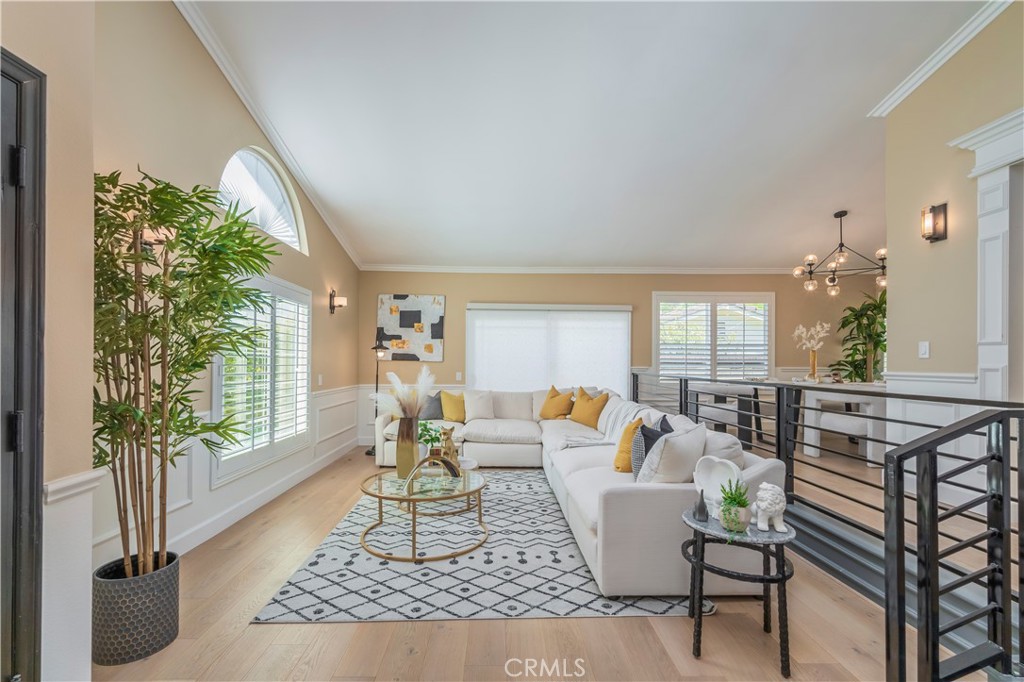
<point x="869" y="405"/>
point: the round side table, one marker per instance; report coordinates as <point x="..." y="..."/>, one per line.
<point x="769" y="544"/>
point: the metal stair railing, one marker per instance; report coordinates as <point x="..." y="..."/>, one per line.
<point x="995" y="576"/>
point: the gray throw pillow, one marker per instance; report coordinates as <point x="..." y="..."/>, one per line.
<point x="432" y="409"/>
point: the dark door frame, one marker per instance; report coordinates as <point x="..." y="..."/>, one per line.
<point x="22" y="560"/>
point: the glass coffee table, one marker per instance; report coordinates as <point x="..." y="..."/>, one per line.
<point x="425" y="488"/>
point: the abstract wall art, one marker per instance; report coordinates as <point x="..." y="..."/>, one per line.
<point x="411" y="326"/>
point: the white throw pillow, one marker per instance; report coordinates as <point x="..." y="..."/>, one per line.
<point x="680" y="422"/>
<point x="674" y="457"/>
<point x="724" y="446"/>
<point x="479" y="405"/>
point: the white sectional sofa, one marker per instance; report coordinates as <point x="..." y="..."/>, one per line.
<point x="630" y="533"/>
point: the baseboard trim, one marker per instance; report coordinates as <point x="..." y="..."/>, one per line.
<point x="197" y="535"/>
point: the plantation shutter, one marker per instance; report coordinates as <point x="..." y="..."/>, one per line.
<point x="685" y="338"/>
<point x="717" y="336"/>
<point x="741" y="333"/>
<point x="246" y="386"/>
<point x="266" y="388"/>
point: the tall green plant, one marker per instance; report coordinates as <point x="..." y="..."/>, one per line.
<point x="170" y="281"/>
<point x="864" y="342"/>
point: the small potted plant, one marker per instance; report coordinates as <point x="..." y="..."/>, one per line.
<point x="429" y="437"/>
<point x="734" y="512"/>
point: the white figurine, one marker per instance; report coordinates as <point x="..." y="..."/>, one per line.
<point x="769" y="507"/>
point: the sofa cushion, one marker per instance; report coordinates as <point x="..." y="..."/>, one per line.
<point x="555" y="431"/>
<point x="479" y="405"/>
<point x="513" y="405"/>
<point x="501" y="431"/>
<point x="673" y="457"/>
<point x="454" y="406"/>
<point x="724" y="446"/>
<point x="391" y="430"/>
<point x="585" y="488"/>
<point x="570" y="460"/>
<point x="586" y="409"/>
<point x="432" y="408"/>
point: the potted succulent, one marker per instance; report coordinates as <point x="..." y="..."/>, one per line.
<point x="734" y="512"/>
<point x="170" y="279"/>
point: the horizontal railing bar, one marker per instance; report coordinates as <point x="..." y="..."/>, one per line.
<point x="832" y="388"/>
<point x="950" y="433"/>
<point x="966" y="579"/>
<point x="839" y="494"/>
<point x="966" y="618"/>
<point x="863" y="527"/>
<point x="954" y="484"/>
<point x="964" y="544"/>
<point x="963" y="468"/>
<point x="953" y="511"/>
<point x="831" y="451"/>
<point x="876" y="486"/>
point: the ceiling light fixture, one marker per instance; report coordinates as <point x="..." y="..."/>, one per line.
<point x="841" y="265"/>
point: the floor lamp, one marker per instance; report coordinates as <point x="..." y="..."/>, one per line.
<point x="379" y="348"/>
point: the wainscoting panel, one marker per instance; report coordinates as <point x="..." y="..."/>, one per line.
<point x="197" y="511"/>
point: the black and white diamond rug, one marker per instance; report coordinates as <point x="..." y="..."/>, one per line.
<point x="530" y="566"/>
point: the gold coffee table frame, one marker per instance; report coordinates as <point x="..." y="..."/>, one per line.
<point x="388" y="486"/>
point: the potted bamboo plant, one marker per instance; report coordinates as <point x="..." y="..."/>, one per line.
<point x="865" y="341"/>
<point x="170" y="281"/>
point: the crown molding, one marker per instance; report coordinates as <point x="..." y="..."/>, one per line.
<point x="569" y="270"/>
<point x="990" y="132"/>
<point x="995" y="145"/>
<point x="190" y="10"/>
<point x="982" y="18"/>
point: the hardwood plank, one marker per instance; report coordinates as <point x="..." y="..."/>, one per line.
<point x="365" y="651"/>
<point x="446" y="651"/>
<point x="322" y="657"/>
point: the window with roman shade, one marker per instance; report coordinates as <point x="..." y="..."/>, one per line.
<point x="719" y="336"/>
<point x="266" y="388"/>
<point x="511" y="347"/>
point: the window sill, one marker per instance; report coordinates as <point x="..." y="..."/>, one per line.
<point x="219" y="480"/>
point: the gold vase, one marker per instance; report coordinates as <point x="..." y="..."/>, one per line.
<point x="812" y="375"/>
<point x="407" y="447"/>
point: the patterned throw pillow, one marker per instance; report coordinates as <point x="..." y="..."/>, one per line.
<point x="643" y="441"/>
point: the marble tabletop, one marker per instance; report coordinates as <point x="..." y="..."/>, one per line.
<point x="752" y="536"/>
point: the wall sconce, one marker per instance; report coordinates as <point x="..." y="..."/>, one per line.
<point x="336" y="301"/>
<point x="933" y="223"/>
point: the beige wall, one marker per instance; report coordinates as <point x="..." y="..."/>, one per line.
<point x="793" y="306"/>
<point x="933" y="287"/>
<point x="58" y="39"/>
<point x="162" y="104"/>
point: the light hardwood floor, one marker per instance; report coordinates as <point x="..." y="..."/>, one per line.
<point x="835" y="633"/>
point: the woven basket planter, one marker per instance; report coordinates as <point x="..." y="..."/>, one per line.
<point x="133" y="618"/>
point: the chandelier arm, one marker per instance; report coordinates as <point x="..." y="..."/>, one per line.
<point x="855" y="271"/>
<point x="870" y="260"/>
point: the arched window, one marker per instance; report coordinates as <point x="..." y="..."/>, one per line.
<point x="254" y="180"/>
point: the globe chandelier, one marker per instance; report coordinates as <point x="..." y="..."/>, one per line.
<point x="842" y="261"/>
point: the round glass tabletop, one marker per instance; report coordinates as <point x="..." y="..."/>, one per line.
<point x="425" y="487"/>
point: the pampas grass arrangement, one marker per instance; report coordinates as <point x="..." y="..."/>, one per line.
<point x="406" y="401"/>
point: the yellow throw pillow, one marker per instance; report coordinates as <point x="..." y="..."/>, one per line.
<point x="453" y="406"/>
<point x="624" y="453"/>
<point x="556" y="405"/>
<point x="587" y="410"/>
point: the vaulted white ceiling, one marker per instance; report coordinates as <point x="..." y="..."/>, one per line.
<point x="581" y="135"/>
